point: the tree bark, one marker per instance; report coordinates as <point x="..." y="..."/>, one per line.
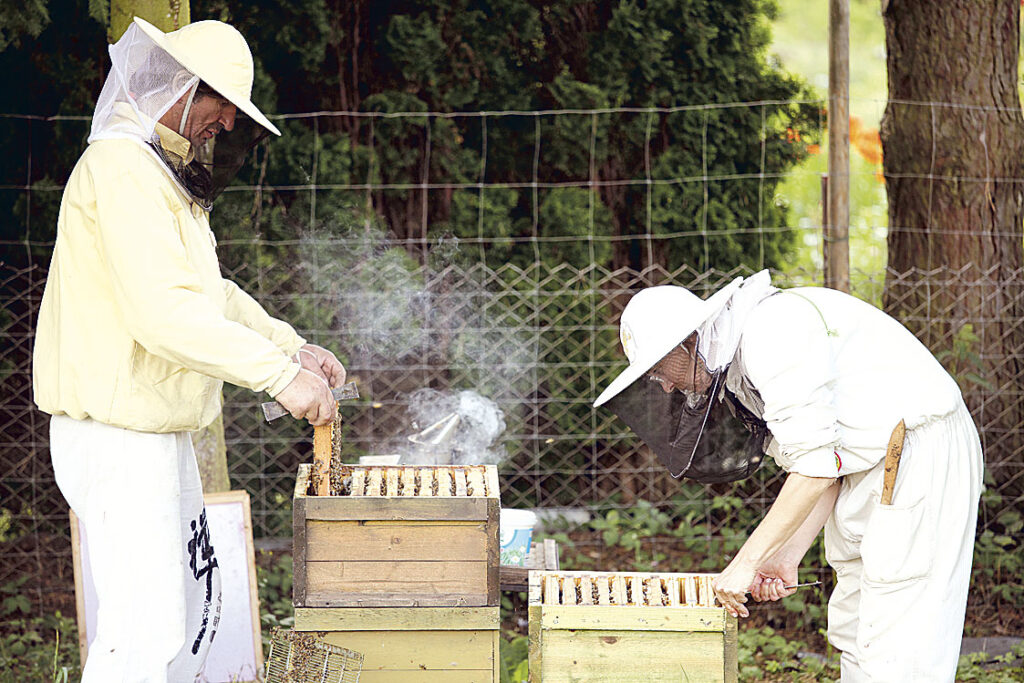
<point x="166" y="15"/>
<point x="952" y="138"/>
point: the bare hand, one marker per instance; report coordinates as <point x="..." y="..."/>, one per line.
<point x="308" y="396"/>
<point x="322" y="363"/>
<point x="772" y="578"/>
<point x="731" y="587"/>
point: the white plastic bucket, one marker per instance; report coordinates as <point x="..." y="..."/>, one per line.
<point x="516" y="534"/>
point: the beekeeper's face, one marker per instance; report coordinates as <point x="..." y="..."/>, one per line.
<point x="681" y="369"/>
<point x="209" y="115"/>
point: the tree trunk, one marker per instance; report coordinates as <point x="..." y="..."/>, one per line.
<point x="952" y="138"/>
<point x="170" y="15"/>
<point x="166" y="15"/>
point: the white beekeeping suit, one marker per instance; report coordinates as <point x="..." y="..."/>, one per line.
<point x="827" y="377"/>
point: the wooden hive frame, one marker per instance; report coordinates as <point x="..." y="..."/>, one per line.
<point x="607" y="626"/>
<point x="400" y="537"/>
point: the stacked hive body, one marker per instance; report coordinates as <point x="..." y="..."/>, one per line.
<point x="603" y="627"/>
<point x="404" y="568"/>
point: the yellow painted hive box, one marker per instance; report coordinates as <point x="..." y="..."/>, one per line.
<point x="413" y="644"/>
<point x="423" y="536"/>
<point x="604" y="626"/>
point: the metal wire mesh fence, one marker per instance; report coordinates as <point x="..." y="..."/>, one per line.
<point x="493" y="284"/>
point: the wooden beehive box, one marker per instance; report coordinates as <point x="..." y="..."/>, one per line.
<point x="413" y="644"/>
<point x="603" y="627"/>
<point x="399" y="537"/>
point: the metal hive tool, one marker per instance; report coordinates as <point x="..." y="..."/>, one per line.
<point x="302" y="658"/>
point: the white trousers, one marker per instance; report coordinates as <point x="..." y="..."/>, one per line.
<point x="903" y="570"/>
<point x="157" y="582"/>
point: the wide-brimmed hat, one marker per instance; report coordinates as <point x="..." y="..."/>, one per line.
<point x="218" y="54"/>
<point x="655" y="321"/>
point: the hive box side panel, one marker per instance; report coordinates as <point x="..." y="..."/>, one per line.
<point x="299" y="552"/>
<point x="397" y="619"/>
<point x="396" y="508"/>
<point x="444" y="655"/>
<point x="339" y="584"/>
<point x="630" y="656"/>
<point x="402" y="540"/>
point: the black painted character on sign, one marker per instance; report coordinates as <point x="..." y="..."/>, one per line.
<point x="201" y="550"/>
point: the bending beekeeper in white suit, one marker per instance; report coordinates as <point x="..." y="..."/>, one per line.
<point x="820" y="379"/>
<point x="136" y="334"/>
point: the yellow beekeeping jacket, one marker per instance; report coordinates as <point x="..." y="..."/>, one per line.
<point x="137" y="327"/>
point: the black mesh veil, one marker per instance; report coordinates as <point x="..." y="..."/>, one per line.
<point x="205" y="180"/>
<point x="672" y="425"/>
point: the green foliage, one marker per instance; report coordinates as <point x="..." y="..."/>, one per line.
<point x="962" y="361"/>
<point x="274" y="584"/>
<point x="763" y="654"/>
<point x="36" y="648"/>
<point x="983" y="668"/>
<point x="515" y="666"/>
<point x="27" y="21"/>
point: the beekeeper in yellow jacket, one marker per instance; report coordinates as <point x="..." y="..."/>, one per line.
<point x="138" y="330"/>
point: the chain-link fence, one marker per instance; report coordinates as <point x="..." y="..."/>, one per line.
<point x="526" y="317"/>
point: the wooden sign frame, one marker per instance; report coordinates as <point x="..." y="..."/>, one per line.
<point x="239" y="546"/>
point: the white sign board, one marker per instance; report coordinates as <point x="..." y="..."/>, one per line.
<point x="237" y="651"/>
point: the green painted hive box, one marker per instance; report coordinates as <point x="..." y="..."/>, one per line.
<point x="605" y="627"/>
<point x="413" y="644"/>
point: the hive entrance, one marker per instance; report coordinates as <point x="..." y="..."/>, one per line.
<point x="302" y="658"/>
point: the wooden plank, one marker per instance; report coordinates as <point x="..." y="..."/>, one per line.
<point x="552" y="590"/>
<point x="418" y="650"/>
<point x="603" y="593"/>
<point x="690" y="589"/>
<point x="373" y="482"/>
<point x="391" y="482"/>
<point x="432" y="676"/>
<point x="475" y="482"/>
<point x="613" y="657"/>
<point x="619" y="590"/>
<point x="77" y="569"/>
<point x="550" y="554"/>
<point x="299" y="548"/>
<point x="370" y="508"/>
<point x="384" y="540"/>
<point x="731" y="664"/>
<point x="358" y="482"/>
<point x="536" y="589"/>
<point x="408" y="482"/>
<point x="496" y="649"/>
<point x="397" y="618"/>
<point x="672" y="590"/>
<point x="444" y="482"/>
<point x="707" y="593"/>
<point x="534" y="640"/>
<point x="302" y="480"/>
<point x="370" y="584"/>
<point x="491" y="476"/>
<point x="586" y="584"/>
<point x="426" y="475"/>
<point x="323" y="447"/>
<point x="459" y="475"/>
<point x="492" y="534"/>
<point x="612" y="618"/>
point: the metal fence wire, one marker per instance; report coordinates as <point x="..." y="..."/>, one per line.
<point x="536" y="335"/>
